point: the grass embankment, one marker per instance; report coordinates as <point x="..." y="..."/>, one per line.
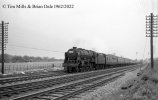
<point x="144" y="87"/>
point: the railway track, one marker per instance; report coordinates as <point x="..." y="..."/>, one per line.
<point x="66" y="91"/>
<point x="22" y="91"/>
<point x="32" y="76"/>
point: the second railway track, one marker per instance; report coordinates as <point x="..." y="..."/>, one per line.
<point x="31" y="76"/>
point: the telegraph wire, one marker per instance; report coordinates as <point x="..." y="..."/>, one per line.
<point x="34" y="48"/>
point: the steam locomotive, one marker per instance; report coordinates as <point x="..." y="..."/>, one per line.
<point x="79" y="60"/>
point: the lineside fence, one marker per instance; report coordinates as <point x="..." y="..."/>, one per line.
<point x="30" y="66"/>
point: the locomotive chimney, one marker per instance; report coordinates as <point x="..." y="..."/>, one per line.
<point x="74" y="47"/>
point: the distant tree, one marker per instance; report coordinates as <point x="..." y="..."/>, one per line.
<point x="18" y="59"/>
<point x="7" y="58"/>
<point x="10" y="58"/>
<point x="26" y="58"/>
<point x="45" y="58"/>
<point x="38" y="58"/>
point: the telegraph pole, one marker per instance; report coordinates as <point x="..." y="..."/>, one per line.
<point x="151" y="31"/>
<point x="4" y="40"/>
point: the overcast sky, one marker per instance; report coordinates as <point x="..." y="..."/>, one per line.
<point x="107" y="26"/>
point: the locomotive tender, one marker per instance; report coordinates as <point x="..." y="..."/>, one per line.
<point x="79" y="60"/>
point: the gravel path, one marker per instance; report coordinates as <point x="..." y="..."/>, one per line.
<point x="106" y="92"/>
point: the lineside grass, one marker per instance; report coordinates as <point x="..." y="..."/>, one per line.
<point x="145" y="87"/>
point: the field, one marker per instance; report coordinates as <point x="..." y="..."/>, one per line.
<point x="21" y="67"/>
